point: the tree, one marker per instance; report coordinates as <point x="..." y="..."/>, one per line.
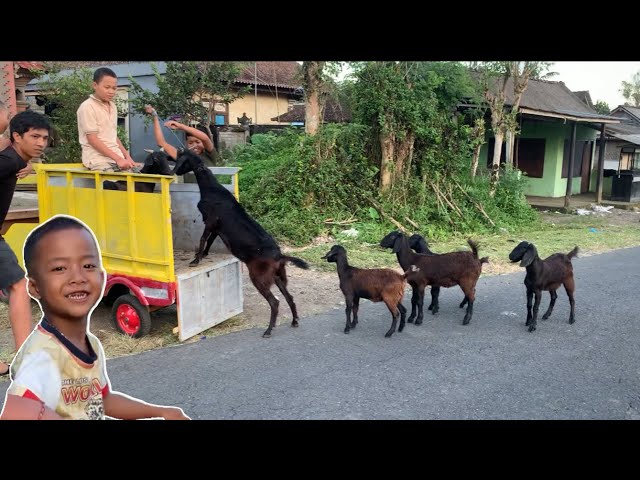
<point x="318" y="83"/>
<point x="408" y="105"/>
<point x="190" y="90"/>
<point x="602" y="107"/>
<point x="631" y="90"/>
<point x="61" y="96"/>
<point x="494" y="78"/>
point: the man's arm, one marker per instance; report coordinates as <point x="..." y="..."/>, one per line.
<point x="204" y="138"/>
<point x="101" y="148"/>
<point x="159" y="136"/>
<point x="119" y="405"/>
<point x="22" y="408"/>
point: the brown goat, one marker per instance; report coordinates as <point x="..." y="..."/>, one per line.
<point x="547" y="274"/>
<point x="443" y="270"/>
<point x="374" y="284"/>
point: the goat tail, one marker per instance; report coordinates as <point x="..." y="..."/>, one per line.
<point x="474" y="247"/>
<point x="484" y="260"/>
<point x="573" y="253"/>
<point x="298" y="262"/>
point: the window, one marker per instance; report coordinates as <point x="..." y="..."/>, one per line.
<point x="530" y="156"/>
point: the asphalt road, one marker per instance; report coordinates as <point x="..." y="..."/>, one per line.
<point x="490" y="369"/>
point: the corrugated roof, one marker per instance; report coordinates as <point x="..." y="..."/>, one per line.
<point x="333" y="113"/>
<point x="280" y="74"/>
<point x="553" y="98"/>
<point x="271" y="74"/>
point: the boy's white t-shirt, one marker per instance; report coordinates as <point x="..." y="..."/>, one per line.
<point x="52" y="370"/>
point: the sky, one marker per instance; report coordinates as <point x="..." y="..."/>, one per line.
<point x="602" y="79"/>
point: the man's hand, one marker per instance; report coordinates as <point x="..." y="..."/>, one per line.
<point x="172" y="124"/>
<point x="173" y="413"/>
<point x="28" y="170"/>
<point x="150" y="110"/>
<point x="125" y="163"/>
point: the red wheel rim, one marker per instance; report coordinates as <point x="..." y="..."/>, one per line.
<point x="128" y="319"/>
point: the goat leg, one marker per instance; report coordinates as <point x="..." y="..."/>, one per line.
<point x="470" y="296"/>
<point x="356" y="306"/>
<point x="273" y="303"/>
<point x="403" y="313"/>
<point x="420" y="304"/>
<point x="554" y="295"/>
<point x="464" y="302"/>
<point x="210" y="241"/>
<point x="205" y="235"/>
<point x="529" y="305"/>
<point x="435" y="293"/>
<point x="282" y="286"/>
<point x="347" y="312"/>
<point x="395" y="313"/>
<point x="572" y="303"/>
<point x="435" y="305"/>
<point x="536" y="307"/>
<point x="414" y="302"/>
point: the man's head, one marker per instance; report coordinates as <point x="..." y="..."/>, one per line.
<point x="29" y="132"/>
<point x="64" y="268"/>
<point x="4" y="117"/>
<point x="194" y="144"/>
<point x="105" y="84"/>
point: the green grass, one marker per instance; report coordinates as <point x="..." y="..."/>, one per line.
<point x="558" y="233"/>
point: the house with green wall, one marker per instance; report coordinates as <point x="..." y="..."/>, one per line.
<point x="549" y="115"/>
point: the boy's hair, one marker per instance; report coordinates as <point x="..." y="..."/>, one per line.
<point x="25" y="121"/>
<point x="103" y="72"/>
<point x="54" y="225"/>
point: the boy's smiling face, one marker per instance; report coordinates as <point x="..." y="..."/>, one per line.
<point x="67" y="276"/>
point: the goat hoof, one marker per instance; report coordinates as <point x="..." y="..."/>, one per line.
<point x="401" y="328"/>
<point x="294" y="323"/>
<point x="194" y="262"/>
<point x="266" y="334"/>
<point x="572" y="320"/>
<point x="419" y="321"/>
<point x="532" y="328"/>
<point x="466" y="321"/>
<point x="463" y="304"/>
<point x="430" y="307"/>
<point x="410" y="319"/>
<point x="388" y="334"/>
<point x="347" y="330"/>
<point x="435" y="310"/>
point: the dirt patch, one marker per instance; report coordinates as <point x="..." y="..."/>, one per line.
<point x="615" y="216"/>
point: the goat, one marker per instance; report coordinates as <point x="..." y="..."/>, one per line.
<point x="547" y="274"/>
<point x="375" y="284"/>
<point x="418" y="244"/>
<point x="442" y="270"/>
<point x="156" y="163"/>
<point x="244" y="237"/>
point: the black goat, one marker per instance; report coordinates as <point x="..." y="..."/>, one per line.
<point x="547" y="274"/>
<point x="419" y="245"/>
<point x="375" y="284"/>
<point x="442" y="270"/>
<point x="244" y="237"/>
<point x="156" y="163"/>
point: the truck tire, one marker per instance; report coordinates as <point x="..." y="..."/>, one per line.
<point x="130" y="317"/>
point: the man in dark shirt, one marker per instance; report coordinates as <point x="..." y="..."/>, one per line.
<point x="29" y="134"/>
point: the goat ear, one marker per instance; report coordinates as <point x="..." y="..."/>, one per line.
<point x="396" y="244"/>
<point x="529" y="256"/>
